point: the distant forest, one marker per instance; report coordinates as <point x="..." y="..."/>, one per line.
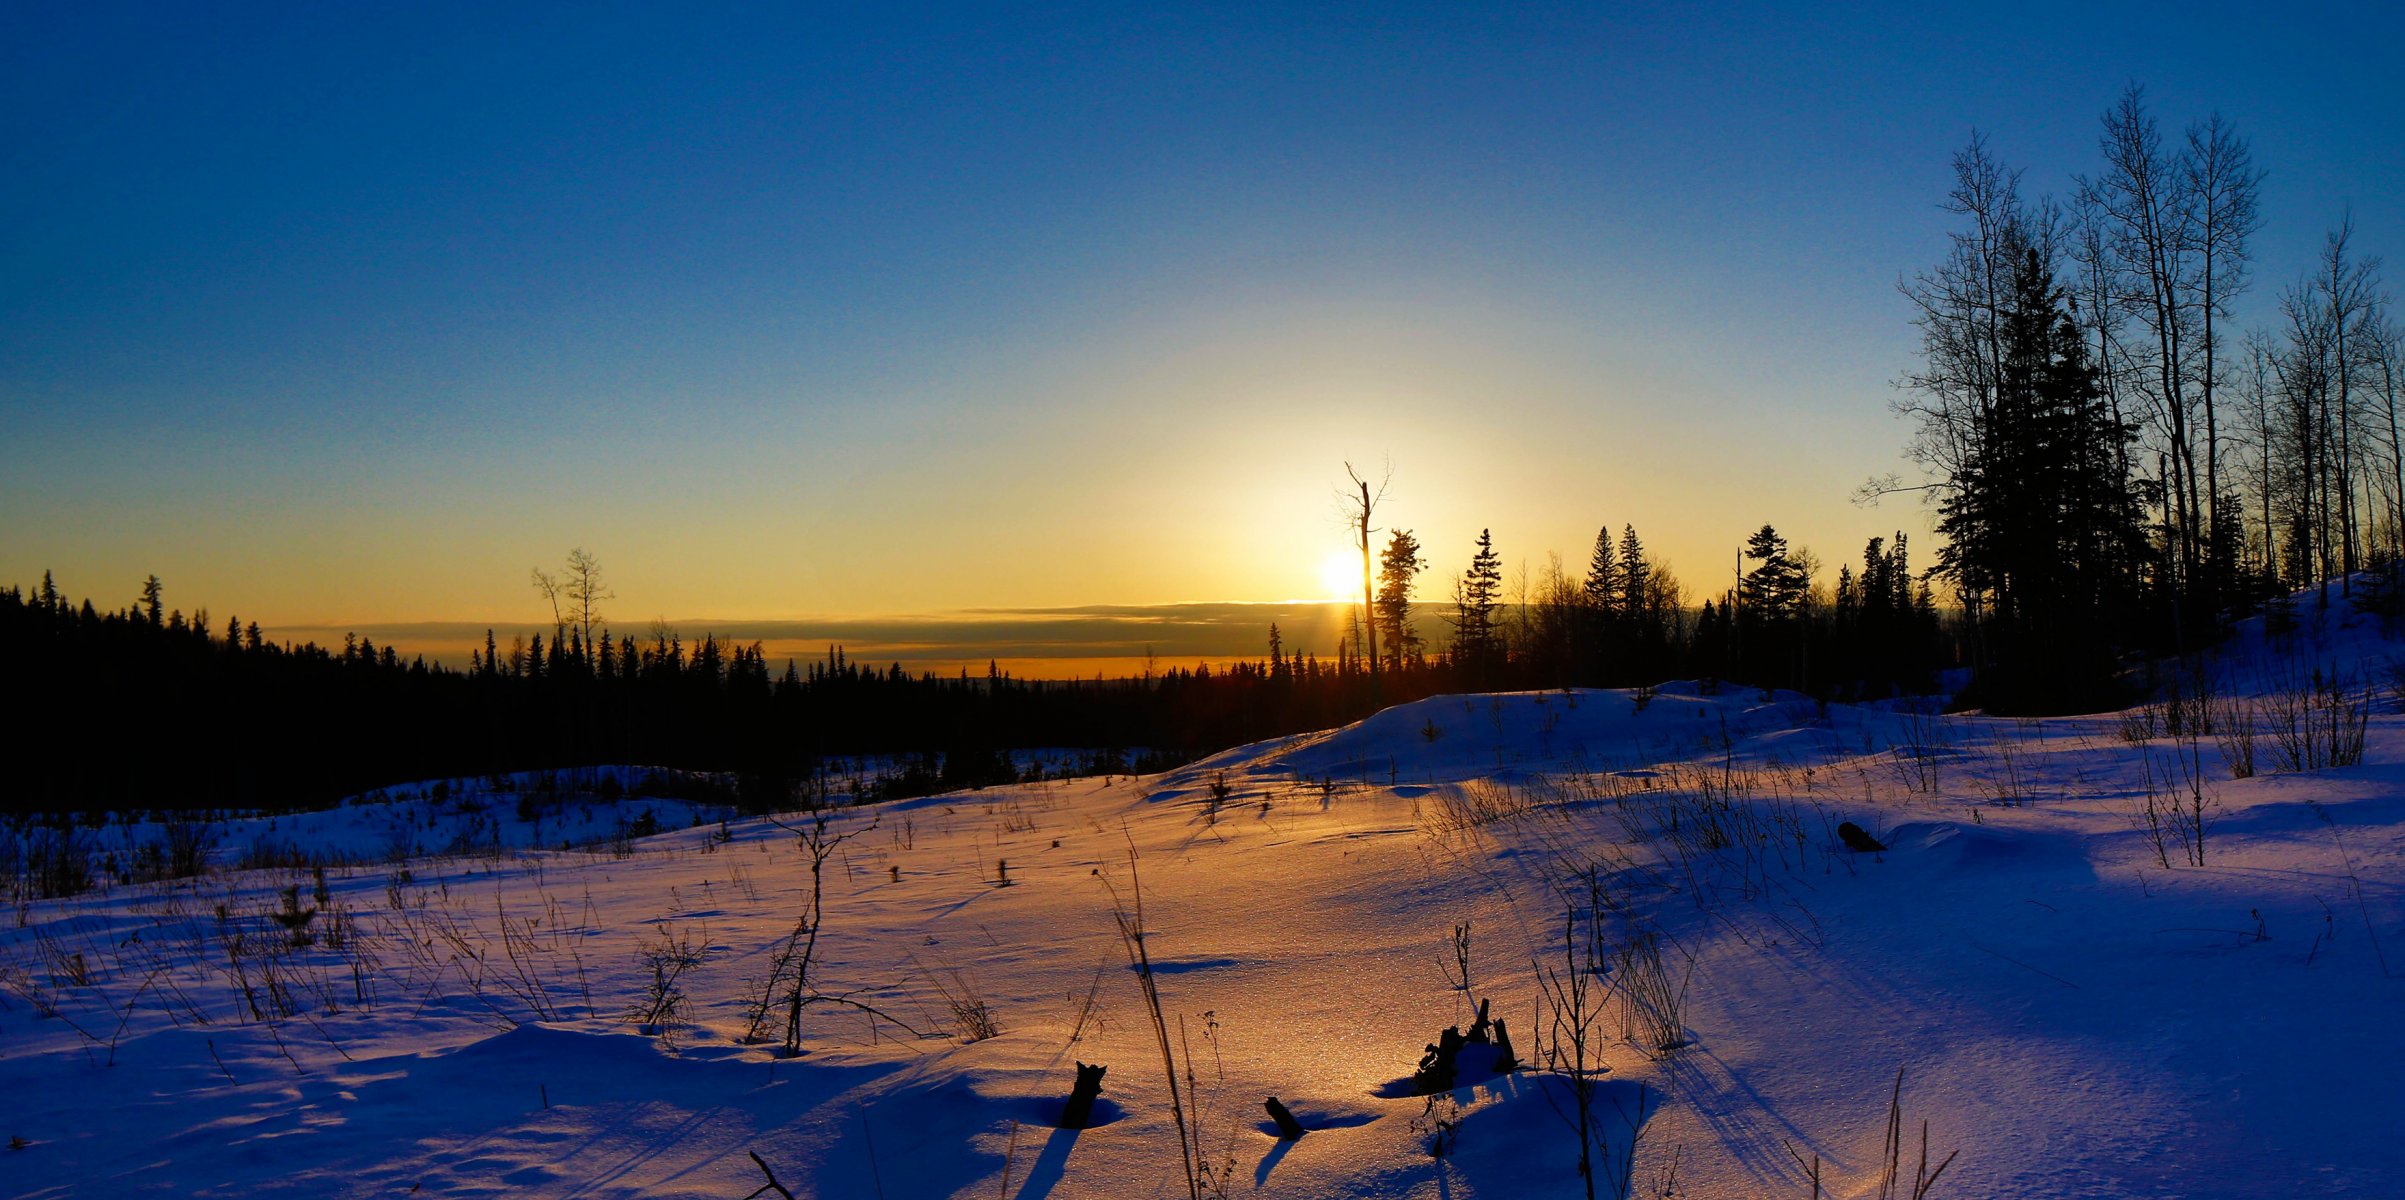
<point x="2116" y="470"/>
<point x="145" y="707"/>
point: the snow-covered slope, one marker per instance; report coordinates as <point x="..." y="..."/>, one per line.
<point x="2074" y="1006"/>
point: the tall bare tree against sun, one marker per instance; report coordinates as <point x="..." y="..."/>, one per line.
<point x="1357" y="504"/>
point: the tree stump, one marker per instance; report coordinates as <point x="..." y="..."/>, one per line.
<point x="1506" y="1059"/>
<point x="1437" y="1067"/>
<point x="1080" y="1108"/>
<point x="1288" y="1128"/>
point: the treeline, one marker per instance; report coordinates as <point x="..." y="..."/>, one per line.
<point x="147" y="708"/>
<point x="1627" y="621"/>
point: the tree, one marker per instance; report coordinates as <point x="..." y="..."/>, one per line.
<point x="153" y="596"/>
<point x="1770" y="598"/>
<point x="1357" y="512"/>
<point x="1602" y="588"/>
<point x="1398" y="566"/>
<point x="2150" y="220"/>
<point x="1475" y="650"/>
<point x="1959" y="308"/>
<point x="575" y="595"/>
<point x="2222" y="185"/>
<point x="2044" y="530"/>
<point x="1597" y="625"/>
<point x="1774" y="591"/>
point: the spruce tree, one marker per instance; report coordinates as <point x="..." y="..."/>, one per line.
<point x="2044" y="528"/>
<point x="1475" y="649"/>
<point x="1398" y="566"/>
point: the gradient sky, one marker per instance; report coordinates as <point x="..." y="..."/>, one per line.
<point x="353" y="313"/>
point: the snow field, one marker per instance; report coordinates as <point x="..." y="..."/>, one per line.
<point x="2074" y="1006"/>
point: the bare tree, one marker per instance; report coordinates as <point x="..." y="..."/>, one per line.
<point x="793" y="982"/>
<point x="1357" y="510"/>
<point x="586" y="590"/>
<point x="1959" y="307"/>
<point x="2388" y="356"/>
<point x="2349" y="287"/>
<point x="2149" y="219"/>
<point x="575" y="595"/>
<point x="2222" y="182"/>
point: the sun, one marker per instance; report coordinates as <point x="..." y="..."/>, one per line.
<point x="1340" y="576"/>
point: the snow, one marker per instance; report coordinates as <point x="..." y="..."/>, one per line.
<point x="2070" y="1015"/>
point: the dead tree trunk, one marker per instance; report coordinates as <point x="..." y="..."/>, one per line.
<point x="1288" y="1128"/>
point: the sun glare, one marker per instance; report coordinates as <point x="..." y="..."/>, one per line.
<point x="1340" y="576"/>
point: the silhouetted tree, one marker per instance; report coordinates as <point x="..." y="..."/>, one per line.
<point x="1477" y="647"/>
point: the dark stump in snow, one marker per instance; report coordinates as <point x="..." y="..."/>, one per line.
<point x="1288" y="1128"/>
<point x="1438" y="1066"/>
<point x="1080" y="1108"/>
<point x="1858" y="839"/>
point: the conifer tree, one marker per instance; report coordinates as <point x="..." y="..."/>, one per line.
<point x="1399" y="565"/>
<point x="1602" y="589"/>
<point x="2043" y="527"/>
<point x="1475" y="650"/>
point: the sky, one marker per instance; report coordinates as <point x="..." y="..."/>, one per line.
<point x="348" y="316"/>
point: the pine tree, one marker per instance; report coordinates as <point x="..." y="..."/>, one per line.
<point x="1398" y="567"/>
<point x="1773" y="592"/>
<point x="1769" y="599"/>
<point x="2044" y="529"/>
<point x="1635" y="575"/>
<point x="1602" y="589"/>
<point x="1475" y="648"/>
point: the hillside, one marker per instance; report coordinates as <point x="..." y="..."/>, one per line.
<point x="2078" y="1000"/>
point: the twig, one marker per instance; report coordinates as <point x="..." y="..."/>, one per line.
<point x="772" y="1185"/>
<point x="229" y="1075"/>
<point x="875" y="1176"/>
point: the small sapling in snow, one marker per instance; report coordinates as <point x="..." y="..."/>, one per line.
<point x="293" y="919"/>
<point x="1461" y="956"/>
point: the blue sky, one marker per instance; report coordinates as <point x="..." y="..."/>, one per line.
<point x="355" y="313"/>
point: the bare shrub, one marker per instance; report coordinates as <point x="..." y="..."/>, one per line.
<point x="188" y="846"/>
<point x="971" y="1016"/>
<point x="793" y="982"/>
<point x="2234" y="735"/>
<point x="2315" y="721"/>
<point x="1654" y="1006"/>
<point x="2177" y="808"/>
<point x="2141" y="724"/>
<point x="1476" y="802"/>
<point x="660" y="1009"/>
<point x="56" y="861"/>
<point x="1575" y="997"/>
